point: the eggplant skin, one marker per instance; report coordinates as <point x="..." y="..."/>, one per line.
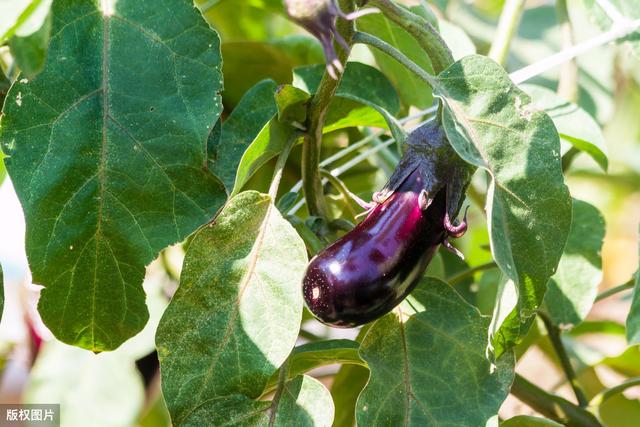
<point x="366" y="273"/>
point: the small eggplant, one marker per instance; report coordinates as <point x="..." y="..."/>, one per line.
<point x="371" y="269"/>
<point x="319" y="18"/>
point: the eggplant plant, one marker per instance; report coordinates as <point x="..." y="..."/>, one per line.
<point x="321" y="212"/>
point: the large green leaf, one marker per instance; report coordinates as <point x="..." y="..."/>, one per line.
<point x="633" y="319"/>
<point x="107" y="154"/>
<point x="105" y="388"/>
<point x="246" y="121"/>
<point x="237" y="312"/>
<point x="303" y="402"/>
<point x="574" y="124"/>
<point x="491" y="124"/>
<point x="428" y="364"/>
<point x="573" y="288"/>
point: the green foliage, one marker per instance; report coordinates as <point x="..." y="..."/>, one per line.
<point x="574" y="125"/>
<point x="573" y="288"/>
<point x="114" y="137"/>
<point x="428" y="364"/>
<point x="236" y="315"/>
<point x="255" y="109"/>
<point x="491" y="124"/>
<point x="108" y="166"/>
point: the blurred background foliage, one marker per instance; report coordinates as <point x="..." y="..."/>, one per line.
<point x="258" y="42"/>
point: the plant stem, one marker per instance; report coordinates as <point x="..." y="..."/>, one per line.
<point x="509" y="21"/>
<point x="457" y="278"/>
<point x="311" y="182"/>
<point x="617" y="31"/>
<point x="309" y="335"/>
<point x="280" y="164"/>
<point x="558" y="346"/>
<point x="568" y="80"/>
<point x="364" y="38"/>
<point x="616" y="289"/>
<point x="425" y="34"/>
<point x="282" y="379"/>
<point x="551" y="406"/>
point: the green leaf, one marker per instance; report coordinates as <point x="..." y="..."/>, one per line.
<point x="86" y="385"/>
<point x="292" y="105"/>
<point x="491" y="124"/>
<point x="412" y="89"/>
<point x="633" y="318"/>
<point x="428" y="364"/>
<point x="573" y="288"/>
<point x="364" y="97"/>
<point x="314" y="355"/>
<point x="22" y="18"/>
<point x="30" y="51"/>
<point x="107" y="148"/>
<point x="303" y="402"/>
<point x="574" y="125"/>
<point x="246" y="121"/>
<point x="528" y="421"/>
<point x="269" y="143"/>
<point x="237" y="312"/>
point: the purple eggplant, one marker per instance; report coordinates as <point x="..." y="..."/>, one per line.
<point x="319" y="18"/>
<point x="371" y="269"/>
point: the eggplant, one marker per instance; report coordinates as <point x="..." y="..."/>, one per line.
<point x="371" y="269"/>
<point x="319" y="18"/>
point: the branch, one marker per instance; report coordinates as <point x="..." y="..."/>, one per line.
<point x="312" y="184"/>
<point x="617" y="31"/>
<point x="551" y="406"/>
<point x="558" y="346"/>
<point x="457" y="278"/>
<point x="385" y="47"/>
<point x="425" y="34"/>
<point x="509" y="20"/>
<point x="616" y="289"/>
